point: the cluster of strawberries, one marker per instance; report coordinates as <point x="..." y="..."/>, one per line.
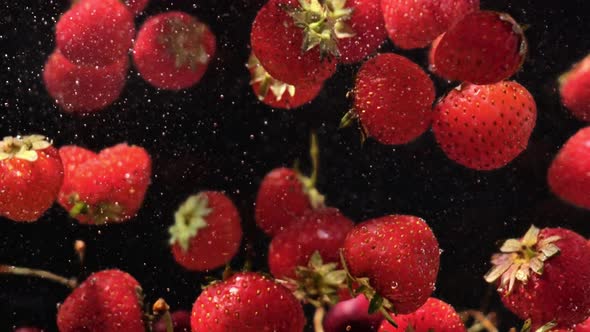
<point x="88" y="69"/>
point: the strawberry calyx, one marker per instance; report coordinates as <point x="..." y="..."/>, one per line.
<point x="266" y="82"/>
<point x="528" y="325"/>
<point x="518" y="30"/>
<point x="189" y="219"/>
<point x="349" y="119"/>
<point x="323" y="23"/>
<point x="184" y="41"/>
<point x="519" y="258"/>
<point x="316" y="199"/>
<point x="23" y="147"/>
<point x="101" y="213"/>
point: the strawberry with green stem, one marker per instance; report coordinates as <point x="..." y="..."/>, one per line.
<point x="434" y="315"/>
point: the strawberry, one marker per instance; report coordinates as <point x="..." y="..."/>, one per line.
<point x="181" y="321"/>
<point x="482" y="48"/>
<point x="247" y="302"/>
<point x="396" y="258"/>
<point x="415" y="23"/>
<point x="27" y="329"/>
<point x="544" y="276"/>
<point x="569" y="173"/>
<point x="278" y="41"/>
<point x="108" y="187"/>
<point x="393" y="99"/>
<point x="83" y="89"/>
<point x="95" y="32"/>
<point x="434" y="315"/>
<point x="352" y="316"/>
<point x="322" y="230"/>
<point x="279" y="94"/>
<point x="206" y="233"/>
<point x="105" y="302"/>
<point x="136" y="6"/>
<point x="31" y="173"/>
<point x="575" y="89"/>
<point x="583" y="326"/>
<point x="173" y="50"/>
<point x="485" y="127"/>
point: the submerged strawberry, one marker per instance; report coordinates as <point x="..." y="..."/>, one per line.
<point x="31" y="173"/>
<point x="207" y="232"/>
<point x="484" y="47"/>
<point x="181" y="322"/>
<point x="569" y="173"/>
<point x="484" y="127"/>
<point x="352" y="316"/>
<point x="434" y="315"/>
<point x="173" y="50"/>
<point x="544" y="276"/>
<point x="136" y="6"/>
<point x="27" y="329"/>
<point x="575" y="89"/>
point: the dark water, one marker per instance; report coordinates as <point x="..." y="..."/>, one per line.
<point x="217" y="136"/>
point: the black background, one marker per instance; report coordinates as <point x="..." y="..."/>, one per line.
<point x="218" y="136"/>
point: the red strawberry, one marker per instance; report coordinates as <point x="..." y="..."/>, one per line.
<point x="322" y="230"/>
<point x="415" y="23"/>
<point x="107" y="188"/>
<point x="83" y="89"/>
<point x="399" y="255"/>
<point x="434" y="315"/>
<point x="393" y="99"/>
<point x="485" y="126"/>
<point x="278" y="94"/>
<point x="95" y="32"/>
<point x="575" y="89"/>
<point x="484" y="47"/>
<point x="583" y="326"/>
<point x="136" y="6"/>
<point x="544" y="276"/>
<point x="173" y="50"/>
<point x="28" y="329"/>
<point x="31" y="173"/>
<point x="206" y="233"/>
<point x="352" y="316"/>
<point x="569" y="173"/>
<point x="105" y="302"/>
<point x="181" y="321"/>
<point x="278" y="42"/>
<point x="247" y="302"/>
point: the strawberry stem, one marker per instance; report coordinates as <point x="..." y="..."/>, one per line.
<point x="78" y="209"/>
<point x="318" y="319"/>
<point x="314" y="153"/>
<point x="16" y="270"/>
<point x="162" y="309"/>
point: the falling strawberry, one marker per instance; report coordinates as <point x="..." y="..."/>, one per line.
<point x="575" y="89"/>
<point x="173" y="50"/>
<point x="393" y="99"/>
<point x="434" y="315"/>
<point x="322" y="230"/>
<point x="27" y="329"/>
<point x="415" y="23"/>
<point x="395" y="259"/>
<point x="181" y="321"/>
<point x="106" y="301"/>
<point x="278" y="94"/>
<point x="482" y="48"/>
<point x="107" y="188"/>
<point x="83" y="89"/>
<point x="136" y="6"/>
<point x="484" y="127"/>
<point x="206" y="233"/>
<point x="31" y="174"/>
<point x="352" y="316"/>
<point x="247" y="302"/>
<point x="544" y="276"/>
<point x="569" y="173"/>
<point x="95" y="32"/>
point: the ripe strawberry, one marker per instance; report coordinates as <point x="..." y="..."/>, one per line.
<point x="485" y="127"/>
<point x="107" y="301"/>
<point x="415" y="23"/>
<point x="31" y="173"/>
<point x="107" y="188"/>
<point x="393" y="99"/>
<point x="136" y="6"/>
<point x="247" y="302"/>
<point x="568" y="174"/>
<point x="95" y="32"/>
<point x="399" y="256"/>
<point x="206" y="233"/>
<point x="482" y="48"/>
<point x="28" y="329"/>
<point x="173" y="50"/>
<point x="83" y="89"/>
<point x="575" y="89"/>
<point x="544" y="276"/>
<point x="322" y="230"/>
<point x="280" y="45"/>
<point x="278" y="94"/>
<point x="434" y="315"/>
<point x="352" y="316"/>
<point x="181" y="321"/>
